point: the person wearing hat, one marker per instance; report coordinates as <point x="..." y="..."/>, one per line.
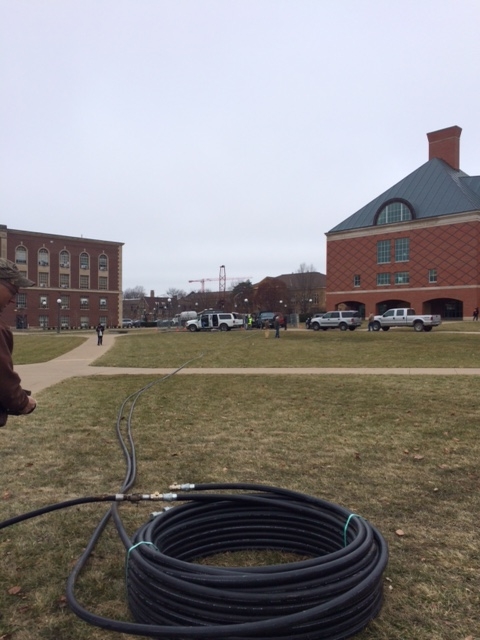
<point x="14" y="400"/>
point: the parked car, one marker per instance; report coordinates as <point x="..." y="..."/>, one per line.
<point x="267" y="316"/>
<point x="220" y="320"/>
<point x="342" y="320"/>
<point x="315" y="321"/>
<point x="406" y="318"/>
<point x="127" y="323"/>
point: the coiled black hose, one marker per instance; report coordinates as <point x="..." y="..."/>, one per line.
<point x="333" y="594"/>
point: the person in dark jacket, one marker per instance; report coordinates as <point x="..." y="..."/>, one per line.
<point x="14" y="400"/>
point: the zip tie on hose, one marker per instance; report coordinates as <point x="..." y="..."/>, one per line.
<point x="345" y="529"/>
<point x="128" y="555"/>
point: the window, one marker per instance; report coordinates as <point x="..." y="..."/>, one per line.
<point x="84" y="261"/>
<point x="103" y="303"/>
<point x="64" y="259"/>
<point x="43" y="258"/>
<point x="402" y="249"/>
<point x="102" y="262"/>
<point x="103" y="320"/>
<point x="84" y="322"/>
<point x="21" y="301"/>
<point x="383" y="279"/>
<point x="64" y="281"/>
<point x="356" y="281"/>
<point x="43" y="278"/>
<point x="65" y="302"/>
<point x="432" y="276"/>
<point x="102" y="283"/>
<point x="383" y="251"/>
<point x="84" y="303"/>
<point x="64" y="322"/>
<point x="43" y="302"/>
<point x="84" y="282"/>
<point x="394" y="212"/>
<point x="43" y="322"/>
<point x="21" y="255"/>
<point x="402" y="277"/>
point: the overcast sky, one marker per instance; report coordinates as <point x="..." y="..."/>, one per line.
<point x="203" y="133"/>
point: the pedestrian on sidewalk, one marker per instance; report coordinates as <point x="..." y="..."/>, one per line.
<point x="276" y="326"/>
<point x="100" y="329"/>
<point x="14" y="400"/>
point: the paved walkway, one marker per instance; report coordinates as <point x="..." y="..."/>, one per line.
<point x="78" y="361"/>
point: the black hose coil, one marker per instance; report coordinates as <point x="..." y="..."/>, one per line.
<point x="332" y="594"/>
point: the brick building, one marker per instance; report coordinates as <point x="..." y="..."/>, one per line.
<point x="416" y="245"/>
<point x="78" y="280"/>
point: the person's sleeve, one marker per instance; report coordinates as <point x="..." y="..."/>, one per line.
<point x="12" y="397"/>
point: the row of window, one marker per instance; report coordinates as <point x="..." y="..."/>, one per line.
<point x="43" y="255"/>
<point x="43" y="302"/>
<point x="400" y="277"/>
<point x="64" y="280"/>
<point x="43" y="321"/>
<point x="401" y="250"/>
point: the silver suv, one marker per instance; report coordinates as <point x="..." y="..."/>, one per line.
<point x="342" y="320"/>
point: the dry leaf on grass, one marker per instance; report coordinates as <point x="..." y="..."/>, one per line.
<point x="13" y="591"/>
<point x="400" y="532"/>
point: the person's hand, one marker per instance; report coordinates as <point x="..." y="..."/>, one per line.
<point x="32" y="403"/>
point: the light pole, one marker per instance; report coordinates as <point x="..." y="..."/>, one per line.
<point x="44" y="307"/>
<point x="59" y="307"/>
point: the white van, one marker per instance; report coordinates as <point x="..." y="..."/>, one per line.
<point x="220" y="320"/>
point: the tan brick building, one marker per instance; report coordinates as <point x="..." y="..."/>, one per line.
<point x="416" y="245"/>
<point x="78" y="280"/>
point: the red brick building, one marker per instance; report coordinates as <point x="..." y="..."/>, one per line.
<point x="416" y="245"/>
<point x="78" y="280"/>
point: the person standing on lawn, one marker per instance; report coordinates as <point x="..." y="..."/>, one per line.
<point x="14" y="400"/>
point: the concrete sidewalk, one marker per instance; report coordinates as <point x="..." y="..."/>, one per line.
<point x="78" y="361"/>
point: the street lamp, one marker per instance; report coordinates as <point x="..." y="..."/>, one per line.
<point x="59" y="305"/>
<point x="44" y="307"/>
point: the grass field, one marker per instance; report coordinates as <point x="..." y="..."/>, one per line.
<point x="401" y="452"/>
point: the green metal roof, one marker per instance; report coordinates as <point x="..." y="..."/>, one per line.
<point x="434" y="189"/>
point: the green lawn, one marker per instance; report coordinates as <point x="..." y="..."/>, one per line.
<point x="401" y="452"/>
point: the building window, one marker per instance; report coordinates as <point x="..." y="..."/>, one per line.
<point x="383" y="251"/>
<point x="43" y="279"/>
<point x="84" y="261"/>
<point x="356" y="281"/>
<point x="65" y="302"/>
<point x="84" y="303"/>
<point x="432" y="276"/>
<point x="103" y="303"/>
<point x="21" y="255"/>
<point x="64" y="322"/>
<point x="64" y="281"/>
<point x="402" y="249"/>
<point x="383" y="279"/>
<point x="84" y="322"/>
<point x="64" y="259"/>
<point x="84" y="282"/>
<point x="43" y="302"/>
<point x="21" y="301"/>
<point x="102" y="262"/>
<point x="43" y="258"/>
<point x="103" y="283"/>
<point x="43" y="322"/>
<point x="402" y="277"/>
<point x="394" y="212"/>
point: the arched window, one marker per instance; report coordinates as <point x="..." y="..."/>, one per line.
<point x="84" y="261"/>
<point x="395" y="211"/>
<point x="102" y="262"/>
<point x="43" y="257"/>
<point x="65" y="259"/>
<point x="21" y="255"/>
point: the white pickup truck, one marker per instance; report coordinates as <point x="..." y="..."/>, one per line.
<point x="405" y="318"/>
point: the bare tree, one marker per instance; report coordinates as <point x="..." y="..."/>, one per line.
<point x="176" y="293"/>
<point x="134" y="292"/>
<point x="305" y="285"/>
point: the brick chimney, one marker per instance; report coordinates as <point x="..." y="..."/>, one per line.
<point x="445" y="145"/>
